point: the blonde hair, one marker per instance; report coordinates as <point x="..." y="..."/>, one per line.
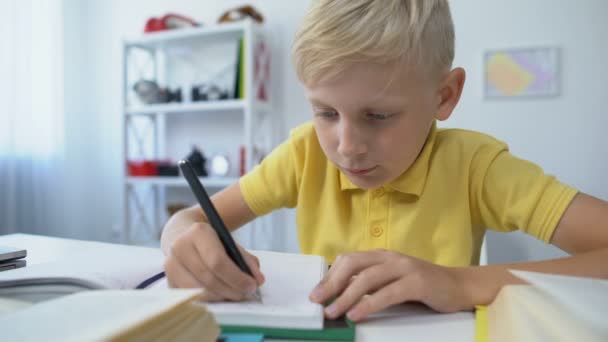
<point x="336" y="34"/>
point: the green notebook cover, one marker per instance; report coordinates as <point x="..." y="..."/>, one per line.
<point x="334" y="330"/>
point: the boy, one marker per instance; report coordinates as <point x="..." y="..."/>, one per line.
<point x="397" y="206"/>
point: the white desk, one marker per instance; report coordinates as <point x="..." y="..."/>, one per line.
<point x="401" y="323"/>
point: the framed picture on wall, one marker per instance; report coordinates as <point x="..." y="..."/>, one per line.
<point x="522" y="72"/>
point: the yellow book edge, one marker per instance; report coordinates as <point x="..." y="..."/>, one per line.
<point x="184" y="311"/>
<point x="481" y="323"/>
<point x="155" y="316"/>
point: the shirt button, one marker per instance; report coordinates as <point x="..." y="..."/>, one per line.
<point x="376" y="230"/>
<point x="379" y="192"/>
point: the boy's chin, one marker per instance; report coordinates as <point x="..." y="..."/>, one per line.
<point x="366" y="183"/>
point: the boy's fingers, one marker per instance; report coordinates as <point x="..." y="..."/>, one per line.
<point x="210" y="296"/>
<point x="217" y="261"/>
<point x="245" y="253"/>
<point x="339" y="276"/>
<point x="190" y="255"/>
<point x="254" y="265"/>
<point x="394" y="293"/>
<point x="209" y="280"/>
<point x="188" y="271"/>
<point x="178" y="276"/>
<point x="368" y="281"/>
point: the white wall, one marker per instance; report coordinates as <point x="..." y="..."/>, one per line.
<point x="563" y="134"/>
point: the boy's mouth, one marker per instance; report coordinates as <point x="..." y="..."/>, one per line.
<point x="360" y="172"/>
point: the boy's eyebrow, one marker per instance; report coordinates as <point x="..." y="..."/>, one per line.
<point x="318" y="102"/>
<point x="386" y="104"/>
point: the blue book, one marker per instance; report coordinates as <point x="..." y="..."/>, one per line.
<point x="236" y="337"/>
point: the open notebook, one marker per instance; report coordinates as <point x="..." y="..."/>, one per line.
<point x="285" y="310"/>
<point x="285" y="303"/>
<point x="91" y="265"/>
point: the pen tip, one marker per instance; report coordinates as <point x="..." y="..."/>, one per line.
<point x="258" y="295"/>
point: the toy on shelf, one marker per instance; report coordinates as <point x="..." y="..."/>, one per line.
<point x="198" y="161"/>
<point x="205" y="92"/>
<point x="240" y="13"/>
<point x="169" y="21"/>
<point x="149" y="92"/>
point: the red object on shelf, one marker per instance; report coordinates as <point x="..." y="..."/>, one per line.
<point x="142" y="168"/>
<point x="167" y="22"/>
<point x="154" y="25"/>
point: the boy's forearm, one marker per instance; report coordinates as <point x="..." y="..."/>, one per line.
<point x="482" y="283"/>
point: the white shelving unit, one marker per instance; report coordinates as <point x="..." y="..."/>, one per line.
<point x="157" y="57"/>
<point x="212" y="182"/>
<point x="200" y="107"/>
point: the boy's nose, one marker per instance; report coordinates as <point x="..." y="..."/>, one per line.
<point x="350" y="142"/>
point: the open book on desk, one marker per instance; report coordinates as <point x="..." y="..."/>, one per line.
<point x="89" y="266"/>
<point x="285" y="310"/>
<point x="116" y="315"/>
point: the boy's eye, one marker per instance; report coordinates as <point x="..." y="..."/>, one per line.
<point x="378" y="116"/>
<point x="327" y="114"/>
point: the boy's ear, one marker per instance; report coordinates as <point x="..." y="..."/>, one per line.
<point x="450" y="90"/>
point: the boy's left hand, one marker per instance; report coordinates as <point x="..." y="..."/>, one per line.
<point x="366" y="282"/>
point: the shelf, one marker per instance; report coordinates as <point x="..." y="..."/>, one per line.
<point x="152" y="132"/>
<point x="211" y="182"/>
<point x="184" y="35"/>
<point x="175" y="108"/>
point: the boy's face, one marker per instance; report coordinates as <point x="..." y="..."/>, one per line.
<point x="373" y="120"/>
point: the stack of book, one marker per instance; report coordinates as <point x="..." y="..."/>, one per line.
<point x="110" y="315"/>
<point x="550" y="308"/>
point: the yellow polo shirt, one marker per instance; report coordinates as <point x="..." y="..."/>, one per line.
<point x="462" y="183"/>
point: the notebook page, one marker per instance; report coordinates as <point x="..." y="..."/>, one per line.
<point x="109" y="266"/>
<point x="289" y="280"/>
<point x="8" y="305"/>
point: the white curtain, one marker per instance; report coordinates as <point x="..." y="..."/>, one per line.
<point x="31" y="115"/>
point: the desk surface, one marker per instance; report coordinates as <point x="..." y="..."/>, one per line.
<point x="400" y="323"/>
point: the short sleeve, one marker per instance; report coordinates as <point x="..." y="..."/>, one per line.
<point x="273" y="183"/>
<point x="512" y="193"/>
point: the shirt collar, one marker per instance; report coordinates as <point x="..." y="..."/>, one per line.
<point x="411" y="181"/>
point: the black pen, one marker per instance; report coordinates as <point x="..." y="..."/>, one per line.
<point x="215" y="220"/>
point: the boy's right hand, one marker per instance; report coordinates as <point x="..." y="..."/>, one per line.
<point x="197" y="259"/>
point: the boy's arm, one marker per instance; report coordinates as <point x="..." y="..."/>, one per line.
<point x="582" y="232"/>
<point x="229" y="203"/>
<point x="384" y="278"/>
